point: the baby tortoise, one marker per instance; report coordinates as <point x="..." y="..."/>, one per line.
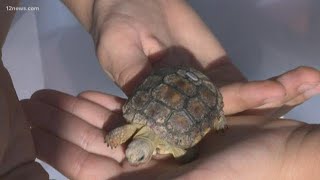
<point x="170" y="112"/>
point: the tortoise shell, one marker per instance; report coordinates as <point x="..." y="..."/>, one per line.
<point x="179" y="104"/>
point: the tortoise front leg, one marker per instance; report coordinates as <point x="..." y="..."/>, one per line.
<point x="121" y="134"/>
<point x="220" y="124"/>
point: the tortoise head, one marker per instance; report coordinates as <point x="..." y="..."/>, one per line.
<point x="139" y="151"/>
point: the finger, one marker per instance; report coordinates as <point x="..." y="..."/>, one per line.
<point x="88" y="111"/>
<point x="71" y="160"/>
<point x="70" y="128"/>
<point x="300" y="84"/>
<point x="261" y="97"/>
<point x="239" y="97"/>
<point x="107" y="101"/>
<point x="121" y="54"/>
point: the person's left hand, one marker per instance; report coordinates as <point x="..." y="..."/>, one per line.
<point x="69" y="131"/>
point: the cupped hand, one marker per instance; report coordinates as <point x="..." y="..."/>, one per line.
<point x="69" y="131"/>
<point x="133" y="37"/>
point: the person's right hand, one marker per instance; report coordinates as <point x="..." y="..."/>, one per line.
<point x="133" y="37"/>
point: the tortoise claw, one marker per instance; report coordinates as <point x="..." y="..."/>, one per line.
<point x="110" y="142"/>
<point x="223" y="130"/>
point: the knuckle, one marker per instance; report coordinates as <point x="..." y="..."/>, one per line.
<point x="88" y="138"/>
<point x="74" y="105"/>
<point x="275" y="87"/>
<point x="132" y="74"/>
<point x="123" y="76"/>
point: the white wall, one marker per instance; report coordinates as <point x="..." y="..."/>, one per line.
<point x="267" y="37"/>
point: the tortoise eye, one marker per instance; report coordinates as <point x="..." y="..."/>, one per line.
<point x="192" y="76"/>
<point x="141" y="158"/>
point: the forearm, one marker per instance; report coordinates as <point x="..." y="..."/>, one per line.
<point x="9" y="169"/>
<point x="26" y="167"/>
<point x="5" y="19"/>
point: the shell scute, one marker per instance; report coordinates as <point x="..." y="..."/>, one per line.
<point x="140" y="99"/>
<point x="157" y="111"/>
<point x="197" y="109"/>
<point x="181" y="84"/>
<point x="179" y="122"/>
<point x="169" y="96"/>
<point x="208" y="97"/>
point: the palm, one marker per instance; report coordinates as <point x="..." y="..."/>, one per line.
<point x="253" y="147"/>
<point x="130" y="44"/>
<point x="250" y="144"/>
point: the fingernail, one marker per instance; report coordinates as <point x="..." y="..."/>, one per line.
<point x="306" y="87"/>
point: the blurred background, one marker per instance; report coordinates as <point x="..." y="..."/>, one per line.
<point x="49" y="48"/>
